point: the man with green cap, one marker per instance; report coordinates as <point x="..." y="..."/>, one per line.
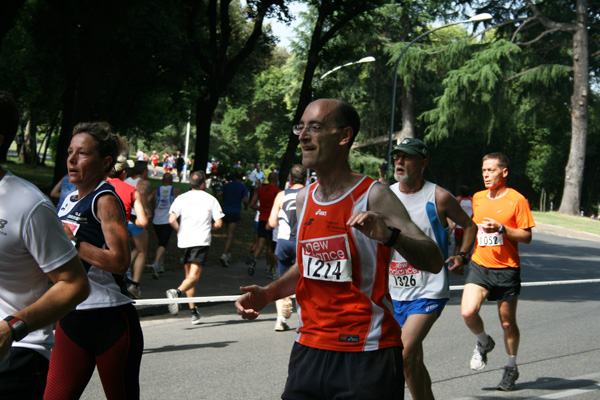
<point x="420" y="296"/>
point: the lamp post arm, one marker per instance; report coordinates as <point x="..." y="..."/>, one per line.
<point x="362" y="60"/>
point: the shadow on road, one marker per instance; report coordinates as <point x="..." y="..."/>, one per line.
<point x="184" y="347"/>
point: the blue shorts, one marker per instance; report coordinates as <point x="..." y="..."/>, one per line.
<point x="286" y="254"/>
<point x="403" y="309"/>
<point x="134" y="229"/>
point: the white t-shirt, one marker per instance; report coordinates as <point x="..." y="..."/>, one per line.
<point x="32" y="243"/>
<point x="256" y="176"/>
<point x="196" y="210"/>
<point x="132" y="182"/>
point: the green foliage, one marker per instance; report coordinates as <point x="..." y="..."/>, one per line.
<point x="474" y="93"/>
<point x="366" y="164"/>
<point x="257" y="127"/>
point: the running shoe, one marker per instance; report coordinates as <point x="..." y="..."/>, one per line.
<point x="134" y="291"/>
<point x="155" y="270"/>
<point x="161" y="267"/>
<point x="479" y="359"/>
<point x="251" y="266"/>
<point x="286" y="310"/>
<point x="224" y="260"/>
<point x="272" y="274"/>
<point x="509" y="378"/>
<point x="173" y="307"/>
<point x="196" y="316"/>
<point x="281" y="325"/>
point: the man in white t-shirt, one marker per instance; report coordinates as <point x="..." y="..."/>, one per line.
<point x="34" y="247"/>
<point x="257" y="176"/>
<point x="193" y="215"/>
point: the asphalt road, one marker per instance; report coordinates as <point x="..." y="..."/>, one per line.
<point x="227" y="358"/>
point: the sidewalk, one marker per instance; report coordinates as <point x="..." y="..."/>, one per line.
<point x="564" y="232"/>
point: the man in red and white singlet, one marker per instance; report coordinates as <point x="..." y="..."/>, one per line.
<point x="348" y="342"/>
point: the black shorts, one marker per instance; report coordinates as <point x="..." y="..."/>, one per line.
<point x="503" y="284"/>
<point x="163" y="233"/>
<point x="230" y="218"/>
<point x="196" y="255"/>
<point x="324" y="374"/>
<point x="23" y="374"/>
<point x="263" y="232"/>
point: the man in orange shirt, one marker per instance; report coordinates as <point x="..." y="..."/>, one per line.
<point x="503" y="219"/>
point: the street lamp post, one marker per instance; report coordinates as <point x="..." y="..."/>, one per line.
<point x="477" y="18"/>
<point x="362" y="60"/>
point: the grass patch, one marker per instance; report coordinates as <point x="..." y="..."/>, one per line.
<point x="574" y="222"/>
<point x="39" y="175"/>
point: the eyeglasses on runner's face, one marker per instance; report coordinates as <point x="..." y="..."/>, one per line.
<point x="313" y="129"/>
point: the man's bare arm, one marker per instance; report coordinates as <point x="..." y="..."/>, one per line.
<point x="385" y="209"/>
<point x="449" y="207"/>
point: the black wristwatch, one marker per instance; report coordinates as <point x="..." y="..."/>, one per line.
<point x="502" y="230"/>
<point x="18" y="328"/>
<point x="465" y="256"/>
<point x="392" y="240"/>
<point x="75" y="240"/>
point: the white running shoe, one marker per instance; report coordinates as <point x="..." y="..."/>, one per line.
<point x="479" y="358"/>
<point x="224" y="260"/>
<point x="281" y="325"/>
<point x="173" y="307"/>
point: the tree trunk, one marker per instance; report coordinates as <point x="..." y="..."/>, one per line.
<point x="205" y="109"/>
<point x="571" y="198"/>
<point x="69" y="94"/>
<point x="289" y="157"/>
<point x="408" y="114"/>
<point x="28" y="152"/>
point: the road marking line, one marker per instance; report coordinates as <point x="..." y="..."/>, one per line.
<point x="216" y="299"/>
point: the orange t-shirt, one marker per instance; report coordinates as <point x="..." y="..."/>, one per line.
<point x="494" y="250"/>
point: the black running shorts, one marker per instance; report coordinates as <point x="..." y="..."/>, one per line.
<point x="503" y="284"/>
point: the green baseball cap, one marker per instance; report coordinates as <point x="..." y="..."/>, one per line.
<point x="412" y="146"/>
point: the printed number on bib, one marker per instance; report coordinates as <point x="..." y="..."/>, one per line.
<point x="403" y="275"/>
<point x="489" y="239"/>
<point x="327" y="259"/>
